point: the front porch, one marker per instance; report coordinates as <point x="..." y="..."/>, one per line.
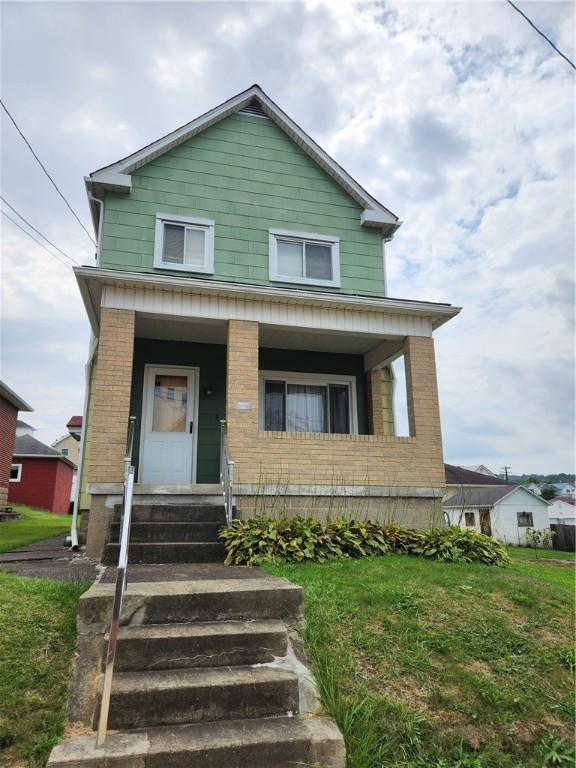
<point x="302" y="382"/>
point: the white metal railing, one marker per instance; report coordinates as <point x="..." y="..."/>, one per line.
<point x="120" y="585"/>
<point x="226" y="472"/>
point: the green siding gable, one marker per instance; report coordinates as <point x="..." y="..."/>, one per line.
<point x="249" y="176"/>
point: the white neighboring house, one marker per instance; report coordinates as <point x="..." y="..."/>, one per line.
<point x="505" y="511"/>
<point x="481" y="469"/>
<point x="534" y="488"/>
<point x="562" y="511"/>
<point x="23" y="429"/>
<point x="564" y="489"/>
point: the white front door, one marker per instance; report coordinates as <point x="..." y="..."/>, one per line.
<point x="168" y="426"/>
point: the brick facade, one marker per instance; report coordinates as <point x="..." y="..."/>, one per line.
<point x="110" y="397"/>
<point x="8" y="417"/>
<point x="279" y="459"/>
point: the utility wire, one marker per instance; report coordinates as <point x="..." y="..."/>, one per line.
<point x="38" y="231"/>
<point x="40" y="163"/>
<point x="55" y="255"/>
<point x="542" y="34"/>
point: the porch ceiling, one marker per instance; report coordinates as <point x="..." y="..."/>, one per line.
<point x="271" y="336"/>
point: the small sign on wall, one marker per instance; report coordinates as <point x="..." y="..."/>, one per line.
<point x="242" y="405"/>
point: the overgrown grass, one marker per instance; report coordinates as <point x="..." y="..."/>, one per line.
<point x="442" y="665"/>
<point x="34" y="525"/>
<point x="37" y="636"/>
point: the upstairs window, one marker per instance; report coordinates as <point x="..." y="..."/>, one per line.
<point x="65" y="451"/>
<point x="183" y="243"/>
<point x="308" y="259"/>
<point x="301" y="403"/>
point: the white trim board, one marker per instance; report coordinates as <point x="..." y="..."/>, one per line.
<point x="116" y="176"/>
<point x="197" y="297"/>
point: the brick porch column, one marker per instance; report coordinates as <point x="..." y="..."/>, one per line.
<point x="422" y="389"/>
<point x="376" y="402"/>
<point x="242" y="381"/>
<point x="110" y="397"/>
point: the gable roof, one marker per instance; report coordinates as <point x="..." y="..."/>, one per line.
<point x="461" y="476"/>
<point x="20" y="423"/>
<point x="116" y="176"/>
<point x="28" y="446"/>
<point x="74" y="421"/>
<point x="486" y="497"/>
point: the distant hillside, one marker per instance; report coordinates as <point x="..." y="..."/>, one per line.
<point x="561" y="477"/>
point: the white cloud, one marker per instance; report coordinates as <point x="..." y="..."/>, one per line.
<point x="457" y="115"/>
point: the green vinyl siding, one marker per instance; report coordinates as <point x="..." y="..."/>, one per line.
<point x="211" y="360"/>
<point x="248" y="176"/>
<point x="294" y="361"/>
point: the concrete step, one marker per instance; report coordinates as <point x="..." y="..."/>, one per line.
<point x="167" y="552"/>
<point x="278" y="742"/>
<point x="200" y="600"/>
<point x="169" y="697"/>
<point x="166" y="531"/>
<point x="176" y="513"/>
<point x="211" y="644"/>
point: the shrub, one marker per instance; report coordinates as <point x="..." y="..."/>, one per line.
<point x="295" y="540"/>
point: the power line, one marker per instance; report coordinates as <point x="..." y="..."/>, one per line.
<point x="542" y="34"/>
<point x="38" y="231"/>
<point x="55" y="255"/>
<point x="40" y="163"/>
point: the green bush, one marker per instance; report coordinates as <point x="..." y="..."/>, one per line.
<point x="294" y="540"/>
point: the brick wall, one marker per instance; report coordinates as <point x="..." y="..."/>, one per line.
<point x="110" y="397"/>
<point x="302" y="458"/>
<point x="8" y="417"/>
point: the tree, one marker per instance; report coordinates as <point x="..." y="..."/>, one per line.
<point x="533" y="479"/>
<point x="549" y="492"/>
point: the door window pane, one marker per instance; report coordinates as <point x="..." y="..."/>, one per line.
<point x="274" y="406"/>
<point x="290" y="259"/>
<point x="170" y="402"/>
<point x="306" y="408"/>
<point x="194" y="253"/>
<point x="318" y="261"/>
<point x="173" y="251"/>
<point x="339" y="409"/>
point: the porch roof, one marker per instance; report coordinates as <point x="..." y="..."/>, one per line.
<point x="94" y="280"/>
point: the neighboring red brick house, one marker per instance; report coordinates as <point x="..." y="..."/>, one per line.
<point x="41" y="477"/>
<point x="10" y="404"/>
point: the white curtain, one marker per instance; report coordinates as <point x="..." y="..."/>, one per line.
<point x="306" y="408"/>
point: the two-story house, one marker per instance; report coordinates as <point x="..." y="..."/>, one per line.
<point x="241" y="275"/>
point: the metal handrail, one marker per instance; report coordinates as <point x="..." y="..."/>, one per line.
<point x="226" y="472"/>
<point x="120" y="585"/>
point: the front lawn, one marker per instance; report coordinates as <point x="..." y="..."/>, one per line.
<point x="34" y="525"/>
<point x="428" y="664"/>
<point x="37" y="637"/>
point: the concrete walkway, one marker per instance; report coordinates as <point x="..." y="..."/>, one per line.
<point x="48" y="559"/>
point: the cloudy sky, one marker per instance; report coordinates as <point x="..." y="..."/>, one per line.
<point x="457" y="116"/>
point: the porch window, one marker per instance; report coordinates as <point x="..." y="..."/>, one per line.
<point x="184" y="243"/>
<point x="302" y="404"/>
<point x="297" y="257"/>
<point x="470" y="519"/>
<point x="15" y="473"/>
<point x="525" y="520"/>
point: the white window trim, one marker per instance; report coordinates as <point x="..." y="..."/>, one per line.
<point x="286" y="234"/>
<point x="65" y="449"/>
<point x="320" y="380"/>
<point x="19" y="468"/>
<point x="207" y="225"/>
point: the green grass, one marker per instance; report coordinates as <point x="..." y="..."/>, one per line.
<point x="34" y="525"/>
<point x="37" y="636"/>
<point x="526" y="561"/>
<point x="427" y="664"/>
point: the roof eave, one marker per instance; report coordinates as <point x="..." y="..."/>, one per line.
<point x="11" y="396"/>
<point x="116" y="176"/>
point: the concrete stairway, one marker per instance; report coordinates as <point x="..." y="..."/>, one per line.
<point x="206" y="675"/>
<point x="162" y="533"/>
